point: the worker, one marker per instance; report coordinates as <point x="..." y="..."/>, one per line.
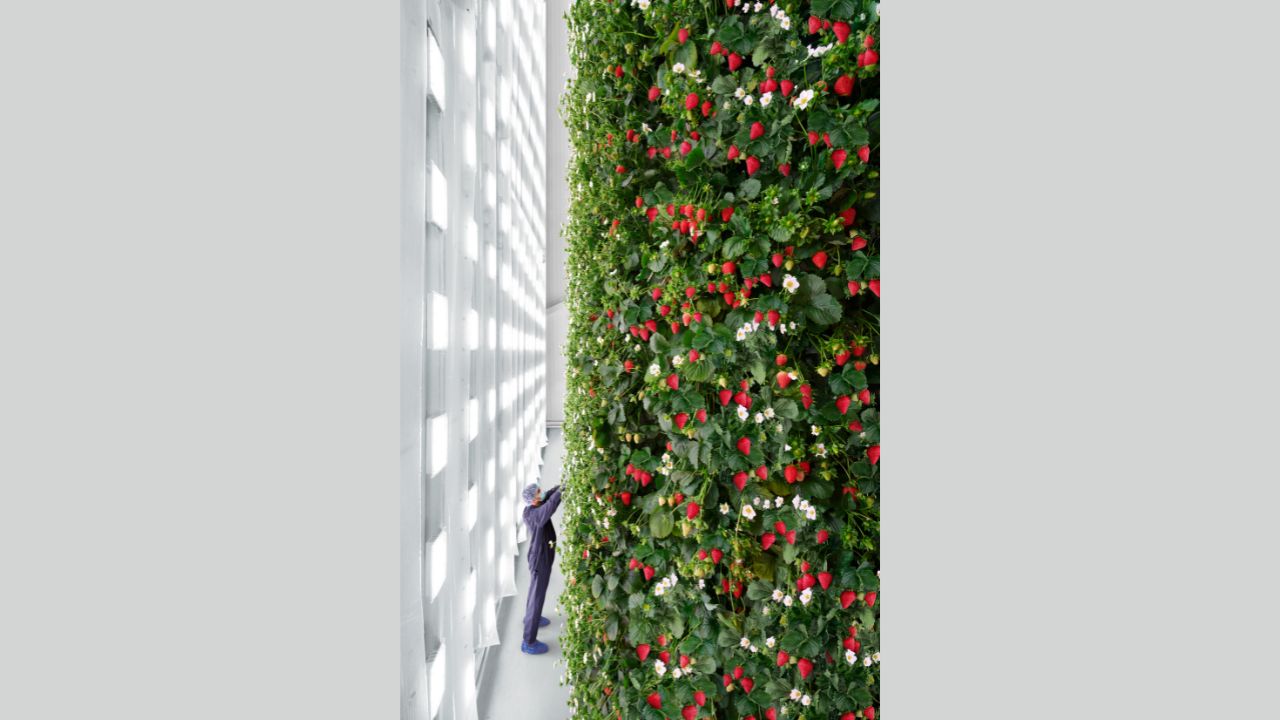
<point x="542" y="552"/>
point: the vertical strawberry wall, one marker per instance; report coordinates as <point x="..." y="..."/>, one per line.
<point x="721" y="541"/>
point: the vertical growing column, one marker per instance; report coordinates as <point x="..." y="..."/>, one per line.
<point x="722" y="415"/>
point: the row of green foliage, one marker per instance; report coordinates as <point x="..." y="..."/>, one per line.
<point x="721" y="540"/>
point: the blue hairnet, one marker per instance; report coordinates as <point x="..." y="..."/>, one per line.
<point x="530" y="492"/>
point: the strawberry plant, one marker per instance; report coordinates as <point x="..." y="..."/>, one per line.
<point x="722" y="428"/>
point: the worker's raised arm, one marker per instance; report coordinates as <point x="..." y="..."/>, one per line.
<point x="542" y="513"/>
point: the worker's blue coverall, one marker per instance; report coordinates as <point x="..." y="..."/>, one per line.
<point x="542" y="552"/>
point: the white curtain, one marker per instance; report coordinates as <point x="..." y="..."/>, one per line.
<point x="473" y="277"/>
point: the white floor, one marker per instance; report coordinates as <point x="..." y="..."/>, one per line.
<point x="515" y="685"/>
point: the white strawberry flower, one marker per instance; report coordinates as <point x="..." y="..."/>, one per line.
<point x="806" y="595"/>
<point x="770" y="641"/>
<point x="820" y="449"/>
<point x="740" y="93"/>
<point x="768" y="412"/>
<point x="748" y="101"/>
<point x="777" y="597"/>
<point x="677" y="360"/>
<point x="759" y="418"/>
<point x="811" y="513"/>
<point x="804" y="98"/>
<point x="644" y="127"/>
<point x="806" y="700"/>
<point x="676" y="673"/>
<point x="764" y="610"/>
<point x="744" y="643"/>
<point x="755" y="501"/>
<point x="785" y="23"/>
<point x="777" y="502"/>
<point x="660" y="667"/>
<point x="875" y="656"/>
<point x="793" y="327"/>
<point x="727" y="105"/>
<point x="850" y="657"/>
<point x="795" y="694"/>
<point x="741" y="334"/>
<point x="642" y="4"/>
<point x="765" y="99"/>
<point x="754" y="649"/>
<point x="725" y="509"/>
<point x="866" y="661"/>
<point x="759" y="6"/>
<point x="814" y="430"/>
<point x="790" y="283"/>
<point x="701" y="583"/>
<point x="782" y="328"/>
<point x="787" y="601"/>
<point x="748" y="512"/>
<point x="654" y="370"/>
<point x="677" y="68"/>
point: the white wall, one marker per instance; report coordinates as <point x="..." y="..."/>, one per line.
<point x="558" y="69"/>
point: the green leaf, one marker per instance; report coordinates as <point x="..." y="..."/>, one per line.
<point x="786" y="408"/>
<point x="823" y="309"/>
<point x="661" y="524"/>
<point x="750" y="189"/>
<point x="734" y="247"/>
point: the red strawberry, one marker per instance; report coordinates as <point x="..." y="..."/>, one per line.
<point x="813" y="138"/>
<point x="757" y="130"/>
<point x="725" y="396"/>
<point x="806" y="667"/>
<point x="783" y="657"/>
<point x="864" y="395"/>
<point x="733" y="152"/>
<point x="822" y="536"/>
<point x="787" y="87"/>
<point x="850" y="644"/>
<point x="815" y="24"/>
<point x="820" y="259"/>
<point x="777" y="259"/>
<point x="689" y="712"/>
<point x="767" y="540"/>
<point x="824" y="579"/>
<point x="728" y="268"/>
<point x="617" y="72"/>
<point x="870" y="598"/>
<point x="716" y="48"/>
<point x="706" y="109"/>
<point x="727" y="682"/>
<point x="726" y="214"/>
<point x="626" y="498"/>
<point x="855" y="426"/>
<point x="842" y="357"/>
<point x="662" y="640"/>
<point x="790" y="473"/>
<point x="665" y="657"/>
<point x="774" y="317"/>
<point x="791" y="537"/>
<point x="682" y="35"/>
<point x="784" y="379"/>
<point x="684" y="661"/>
<point x="653" y="152"/>
<point x="655" y="700"/>
<point x="806" y="396"/>
<point x="780" y="526"/>
<point x="652" y="325"/>
<point x="869" y="58"/>
<point x="837" y="157"/>
<point x="854" y="287"/>
<point x="864" y="153"/>
<point x="841" y="29"/>
<point x="843" y="85"/>
<point x="716" y="555"/>
<point x="686" y="147"/>
<point x="744" y="446"/>
<point x="699" y="697"/>
<point x="842" y="403"/>
<point x="869" y="42"/>
<point x="747" y="684"/>
<point x="735" y="61"/>
<point x="620" y="169"/>
<point x="785" y="169"/>
<point x="654" y="93"/>
<point x="869" y="713"/>
<point x="673" y="381"/>
<point x="742" y="399"/>
<point x="643" y="652"/>
<point x="740" y="481"/>
<point x="633" y="564"/>
<point x="767" y="280"/>
<point x="762" y="472"/>
<point x="737" y="672"/>
<point x="753" y="165"/>
<point x="701" y="415"/>
<point x="679" y="498"/>
<point x="691" y="101"/>
<point x="874" y="286"/>
<point x="628" y="366"/>
<point x="702" y="554"/>
<point x="681" y="419"/>
<point x="693" y="510"/>
<point x="666" y="153"/>
<point x="847" y="597"/>
<point x="664" y="310"/>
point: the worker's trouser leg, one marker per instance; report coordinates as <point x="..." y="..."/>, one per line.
<point x="537" y="596"/>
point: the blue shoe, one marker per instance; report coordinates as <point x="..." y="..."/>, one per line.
<point x="537" y="648"/>
<point x="543" y="622"/>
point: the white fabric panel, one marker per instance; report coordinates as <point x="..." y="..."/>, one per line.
<point x="474" y="282"/>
